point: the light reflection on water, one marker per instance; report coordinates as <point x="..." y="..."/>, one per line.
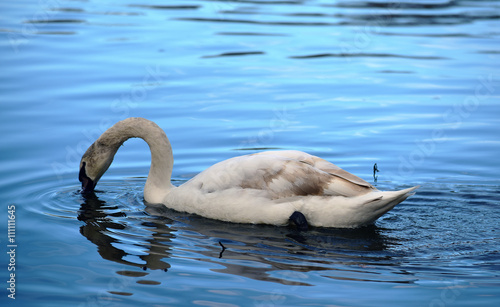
<point x="411" y="86"/>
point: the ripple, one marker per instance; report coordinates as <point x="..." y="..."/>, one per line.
<point x="250" y="34"/>
<point x="231" y="54"/>
<point x="269" y="2"/>
<point x="246" y="21"/>
<point x="148" y="282"/>
<point x="466" y="35"/>
<point x="56" y="21"/>
<point x="65" y="201"/>
<point x="371" y="55"/>
<point x="56" y="32"/>
<point x="396" y="5"/>
<point x="167" y="7"/>
<point x="396" y="71"/>
<point x="489" y="51"/>
<point x="121" y="293"/>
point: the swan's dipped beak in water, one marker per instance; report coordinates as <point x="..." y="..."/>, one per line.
<point x="88" y="184"/>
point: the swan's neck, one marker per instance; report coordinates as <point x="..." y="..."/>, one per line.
<point x="158" y="184"/>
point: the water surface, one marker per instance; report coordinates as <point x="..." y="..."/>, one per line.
<point x="412" y="86"/>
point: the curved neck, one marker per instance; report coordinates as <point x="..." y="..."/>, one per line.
<point x="158" y="183"/>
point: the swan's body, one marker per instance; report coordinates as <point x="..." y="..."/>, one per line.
<point x="268" y="187"/>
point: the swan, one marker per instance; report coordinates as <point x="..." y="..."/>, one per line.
<point x="273" y="187"/>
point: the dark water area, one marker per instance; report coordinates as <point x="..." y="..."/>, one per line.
<point x="412" y="86"/>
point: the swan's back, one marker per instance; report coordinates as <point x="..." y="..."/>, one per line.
<point x="282" y="174"/>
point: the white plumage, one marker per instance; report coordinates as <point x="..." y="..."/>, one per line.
<point x="266" y="187"/>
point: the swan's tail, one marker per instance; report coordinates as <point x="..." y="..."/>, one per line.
<point x="351" y="212"/>
<point x="386" y="200"/>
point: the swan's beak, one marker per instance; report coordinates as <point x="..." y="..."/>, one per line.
<point x="87" y="183"/>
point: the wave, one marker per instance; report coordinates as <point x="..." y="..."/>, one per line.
<point x="371" y="55"/>
<point x="225" y="54"/>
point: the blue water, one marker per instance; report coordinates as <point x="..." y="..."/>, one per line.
<point x="412" y="86"/>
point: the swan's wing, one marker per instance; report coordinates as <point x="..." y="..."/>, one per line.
<point x="323" y="165"/>
<point x="282" y="174"/>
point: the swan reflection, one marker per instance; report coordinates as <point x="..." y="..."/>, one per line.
<point x="101" y="224"/>
<point x="261" y="252"/>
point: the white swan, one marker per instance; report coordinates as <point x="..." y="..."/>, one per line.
<point x="270" y="187"/>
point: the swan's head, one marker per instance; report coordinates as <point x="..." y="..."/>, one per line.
<point x="95" y="162"/>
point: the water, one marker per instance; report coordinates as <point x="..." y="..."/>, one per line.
<point x="412" y="86"/>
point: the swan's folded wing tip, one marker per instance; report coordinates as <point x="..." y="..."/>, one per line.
<point x="410" y="191"/>
<point x="414" y="188"/>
